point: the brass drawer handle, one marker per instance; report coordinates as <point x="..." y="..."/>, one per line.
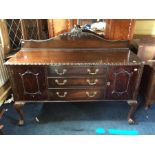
<point x="92" y="73"/>
<point x="92" y="83"/>
<point x="63" y="95"/>
<point x="91" y="95"/>
<point x="61" y="73"/>
<point x="60" y="83"/>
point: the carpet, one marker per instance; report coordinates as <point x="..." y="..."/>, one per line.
<point x="78" y="119"/>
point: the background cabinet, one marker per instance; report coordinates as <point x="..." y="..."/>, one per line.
<point x="119" y="29"/>
<point x="116" y="29"/>
<point x="59" y="26"/>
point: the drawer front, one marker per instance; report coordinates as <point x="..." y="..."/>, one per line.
<point x="76" y="94"/>
<point x="61" y="71"/>
<point x="75" y="82"/>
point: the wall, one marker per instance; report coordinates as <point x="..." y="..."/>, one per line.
<point x="145" y="27"/>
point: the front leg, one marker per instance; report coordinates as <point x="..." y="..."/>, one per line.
<point x="18" y="106"/>
<point x="133" y="106"/>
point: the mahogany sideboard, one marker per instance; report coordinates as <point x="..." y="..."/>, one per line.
<point x="75" y="67"/>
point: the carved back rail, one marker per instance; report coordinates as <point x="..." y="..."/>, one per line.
<point x="77" y="39"/>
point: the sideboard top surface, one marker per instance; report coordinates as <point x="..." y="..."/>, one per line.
<point x="75" y="48"/>
<point x="72" y="57"/>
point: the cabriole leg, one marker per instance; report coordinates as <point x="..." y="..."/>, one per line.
<point x="133" y="106"/>
<point x="18" y="106"/>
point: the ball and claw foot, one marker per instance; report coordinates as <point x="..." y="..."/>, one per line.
<point x="133" y="106"/>
<point x="131" y="121"/>
<point x="21" y="122"/>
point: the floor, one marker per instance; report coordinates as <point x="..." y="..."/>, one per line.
<point x="79" y="119"/>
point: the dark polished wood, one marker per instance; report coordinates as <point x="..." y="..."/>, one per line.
<point x="76" y="82"/>
<point x="76" y="70"/>
<point x="76" y="66"/>
<point x="18" y="106"/>
<point x="122" y="81"/>
<point x="65" y="56"/>
<point x="76" y="94"/>
<point x="30" y="82"/>
<point x="133" y="106"/>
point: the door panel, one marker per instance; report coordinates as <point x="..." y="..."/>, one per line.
<point x="29" y="83"/>
<point x="121" y="82"/>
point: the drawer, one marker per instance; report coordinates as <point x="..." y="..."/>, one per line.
<point x="75" y="82"/>
<point x="76" y="94"/>
<point x="61" y="71"/>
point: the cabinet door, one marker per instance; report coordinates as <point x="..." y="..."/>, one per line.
<point x="119" y="29"/>
<point x="59" y="26"/>
<point x="121" y="82"/>
<point x="29" y="83"/>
